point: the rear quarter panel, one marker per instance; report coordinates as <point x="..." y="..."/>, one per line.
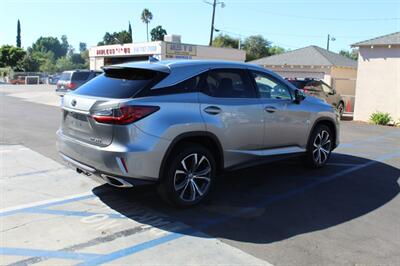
<point x="178" y="114"/>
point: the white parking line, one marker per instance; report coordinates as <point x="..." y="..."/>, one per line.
<point x="43" y="202"/>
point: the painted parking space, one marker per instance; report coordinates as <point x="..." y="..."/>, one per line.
<point x="84" y="223"/>
<point x="81" y="228"/>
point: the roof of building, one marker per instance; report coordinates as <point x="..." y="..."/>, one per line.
<point x="308" y="56"/>
<point x="389" y="39"/>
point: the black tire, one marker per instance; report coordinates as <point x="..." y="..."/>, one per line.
<point x="340" y="109"/>
<point x="176" y="186"/>
<point x="321" y="137"/>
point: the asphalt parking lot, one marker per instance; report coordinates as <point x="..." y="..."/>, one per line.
<point x="282" y="214"/>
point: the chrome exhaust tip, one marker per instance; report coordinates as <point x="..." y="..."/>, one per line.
<point x="115" y="181"/>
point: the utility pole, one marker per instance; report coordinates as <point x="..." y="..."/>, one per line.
<point x="329" y="39"/>
<point x="214" y="5"/>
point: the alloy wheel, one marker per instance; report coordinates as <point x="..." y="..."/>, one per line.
<point x="192" y="177"/>
<point x="321" y="147"/>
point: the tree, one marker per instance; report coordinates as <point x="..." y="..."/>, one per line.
<point x="29" y="63"/>
<point x="50" y="44"/>
<point x="63" y="64"/>
<point x="11" y="56"/>
<point x="276" y="50"/>
<point x="256" y="47"/>
<point x="146" y="17"/>
<point x="353" y="54"/>
<point x="158" y="33"/>
<point x="224" y="40"/>
<point x="116" y="38"/>
<point x="82" y="47"/>
<point x="77" y="59"/>
<point x="18" y="34"/>
<point x="130" y="31"/>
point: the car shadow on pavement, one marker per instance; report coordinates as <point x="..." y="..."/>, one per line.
<point x="273" y="202"/>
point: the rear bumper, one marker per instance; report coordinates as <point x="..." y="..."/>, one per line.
<point x="142" y="158"/>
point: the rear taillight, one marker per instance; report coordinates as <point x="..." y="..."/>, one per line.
<point x="71" y="85"/>
<point x="124" y="115"/>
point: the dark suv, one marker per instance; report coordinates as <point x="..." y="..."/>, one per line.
<point x="320" y="89"/>
<point x="73" y="79"/>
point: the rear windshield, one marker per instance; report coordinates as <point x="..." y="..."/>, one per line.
<point x="118" y="83"/>
<point x="300" y="84"/>
<point x="81" y="76"/>
<point x="65" y="76"/>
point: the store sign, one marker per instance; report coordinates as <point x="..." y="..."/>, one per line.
<point x="114" y="51"/>
<point x="126" y="49"/>
<point x="179" y="49"/>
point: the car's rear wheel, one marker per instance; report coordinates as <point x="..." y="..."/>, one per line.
<point x="189" y="176"/>
<point x="319" y="147"/>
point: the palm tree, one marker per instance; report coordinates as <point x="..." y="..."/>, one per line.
<point x="146" y="18"/>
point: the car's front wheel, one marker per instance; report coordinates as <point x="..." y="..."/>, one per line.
<point x="189" y="176"/>
<point x="340" y="109"/>
<point x="319" y="147"/>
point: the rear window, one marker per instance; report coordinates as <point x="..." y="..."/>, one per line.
<point x="298" y="83"/>
<point x="65" y="76"/>
<point x="119" y="83"/>
<point x="81" y="76"/>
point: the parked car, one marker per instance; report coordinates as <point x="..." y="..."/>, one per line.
<point x="71" y="80"/>
<point x="53" y="79"/>
<point x="177" y="124"/>
<point x="320" y="89"/>
<point x="19" y="80"/>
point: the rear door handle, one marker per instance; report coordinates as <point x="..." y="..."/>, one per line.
<point x="270" y="109"/>
<point x="212" y="110"/>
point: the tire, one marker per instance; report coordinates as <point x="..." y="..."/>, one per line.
<point x="319" y="147"/>
<point x="340" y="109"/>
<point x="184" y="184"/>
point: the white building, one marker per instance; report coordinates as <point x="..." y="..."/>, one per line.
<point x="378" y="78"/>
<point x="129" y="52"/>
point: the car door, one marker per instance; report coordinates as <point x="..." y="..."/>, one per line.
<point x="232" y="112"/>
<point x="286" y="122"/>
<point x="330" y="94"/>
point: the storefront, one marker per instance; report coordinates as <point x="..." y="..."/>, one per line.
<point x="131" y="52"/>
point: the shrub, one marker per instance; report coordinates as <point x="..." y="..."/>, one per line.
<point x="379" y="118"/>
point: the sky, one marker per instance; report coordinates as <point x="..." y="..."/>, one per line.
<point x="290" y="24"/>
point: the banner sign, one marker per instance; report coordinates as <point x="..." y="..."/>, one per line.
<point x="181" y="49"/>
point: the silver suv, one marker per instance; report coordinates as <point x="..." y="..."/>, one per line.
<point x="179" y="124"/>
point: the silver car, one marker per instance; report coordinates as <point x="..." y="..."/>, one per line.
<point x="178" y="124"/>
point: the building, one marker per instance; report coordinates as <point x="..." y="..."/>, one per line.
<point x="315" y="62"/>
<point x="172" y="48"/>
<point x="378" y="77"/>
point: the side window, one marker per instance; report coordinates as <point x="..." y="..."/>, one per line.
<point x="269" y="88"/>
<point x="185" y="86"/>
<point x="228" y="83"/>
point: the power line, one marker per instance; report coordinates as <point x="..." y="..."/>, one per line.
<point x="324" y="18"/>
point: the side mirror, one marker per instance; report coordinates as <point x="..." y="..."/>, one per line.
<point x="298" y="96"/>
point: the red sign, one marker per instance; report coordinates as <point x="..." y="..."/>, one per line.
<point x="113" y="51"/>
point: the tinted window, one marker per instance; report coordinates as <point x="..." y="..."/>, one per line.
<point x="118" y="83"/>
<point x="270" y="88"/>
<point x="186" y="86"/>
<point x="228" y="83"/>
<point x="81" y="76"/>
<point x="298" y="83"/>
<point x="65" y="76"/>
